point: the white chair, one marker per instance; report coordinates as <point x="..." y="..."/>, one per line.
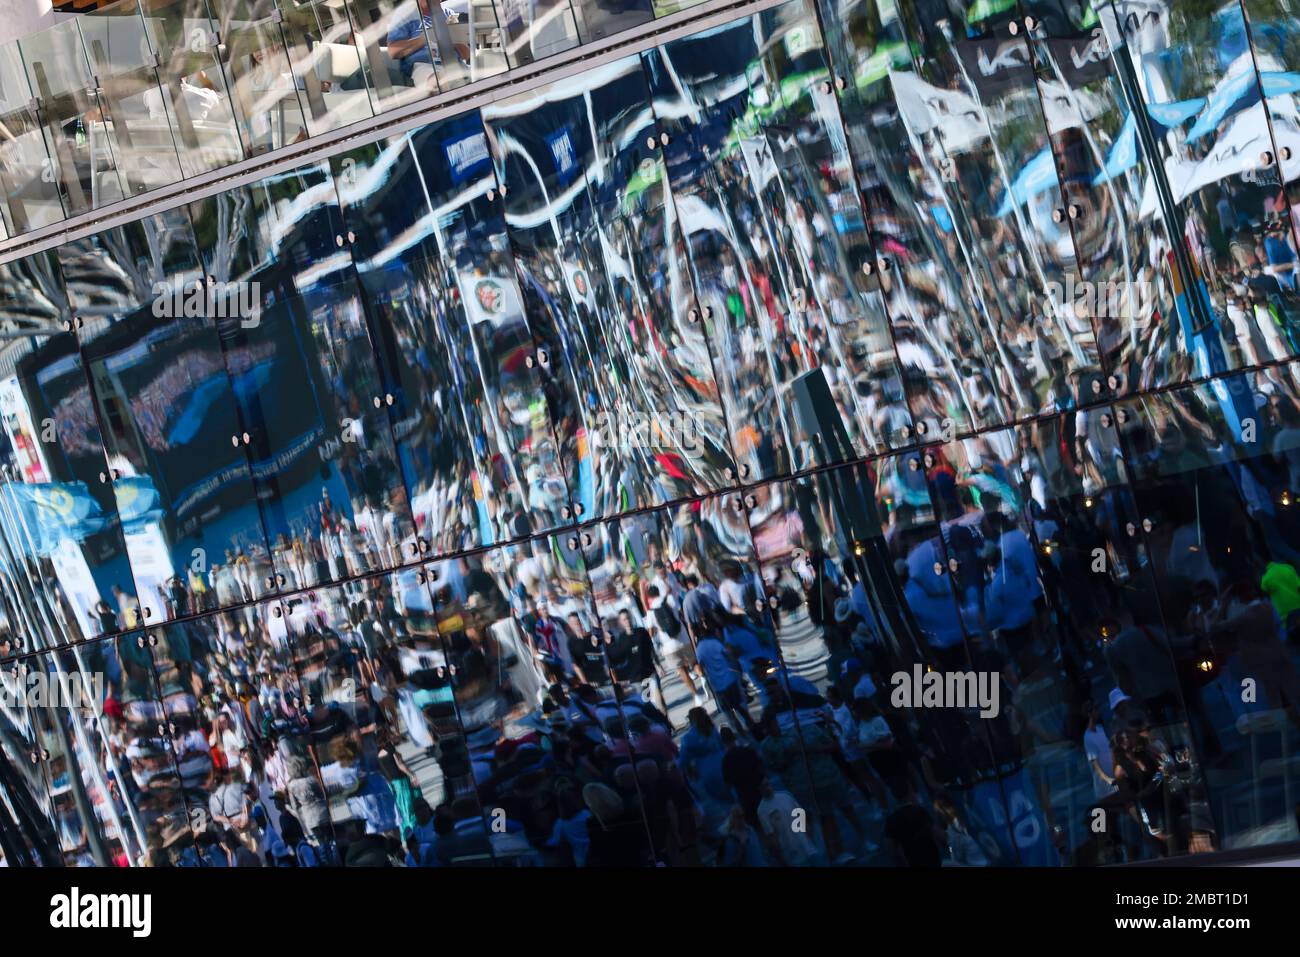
<point x="336" y="62"/>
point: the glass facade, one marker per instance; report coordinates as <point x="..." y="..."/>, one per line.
<point x="581" y="479"/>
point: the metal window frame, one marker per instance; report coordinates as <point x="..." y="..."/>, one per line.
<point x="699" y="18"/>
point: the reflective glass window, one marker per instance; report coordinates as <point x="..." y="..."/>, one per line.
<point x="955" y="363"/>
<point x="167" y="409"/>
<point x="865" y="609"/>
<point x="528" y="30"/>
<point x="398" y="50"/>
<point x="28" y="837"/>
<point x="264" y="92"/>
<point x="184" y="36"/>
<point x="136" y="125"/>
<point x="1211" y="472"/>
<point x="73" y="113"/>
<point x="60" y="515"/>
<point x="306" y="387"/>
<point x="27" y="168"/>
<point x="328" y="63"/>
<point x="1200" y="76"/>
<point x="109" y="767"/>
<point x="471" y="419"/>
<point x="1125" y="269"/>
<point x="638" y="415"/>
<point x="1097" y="567"/>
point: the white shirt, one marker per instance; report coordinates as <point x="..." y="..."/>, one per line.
<point x="732" y="595"/>
<point x="776" y="814"/>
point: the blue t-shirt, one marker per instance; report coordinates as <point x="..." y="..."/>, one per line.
<point x="718" y="668"/>
<point x="409" y="31"/>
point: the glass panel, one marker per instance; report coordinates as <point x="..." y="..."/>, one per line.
<point x="28" y="172"/>
<point x="539" y="140"/>
<point x="690" y="635"/>
<point x="265" y="95"/>
<point x="1011" y="221"/>
<point x="252" y="731"/>
<point x="398" y="41"/>
<point x="1215" y="488"/>
<point x="697" y="87"/>
<point x="474" y="432"/>
<point x="554" y="687"/>
<point x="59" y="511"/>
<point x="860" y="572"/>
<point x="27" y="825"/>
<point x="496" y="767"/>
<point x="305" y="380"/>
<point x="109" y="767"/>
<point x="73" y="115"/>
<point x="954" y="362"/>
<point x="161" y="391"/>
<point x="1148" y="770"/>
<point x="1271" y="31"/>
<point x="136" y="122"/>
<point x="399" y="766"/>
<point x="663" y="8"/>
<point x="1061" y="678"/>
<point x="1222" y="172"/>
<point x="472" y="30"/>
<point x="534" y="29"/>
<point x="791" y="274"/>
<point x="635" y="429"/>
<point x="638" y="271"/>
<point x="1104" y="170"/>
<point x="184" y="36"/>
<point x="332" y="641"/>
<point x="327" y="63"/>
<point x="599" y="20"/>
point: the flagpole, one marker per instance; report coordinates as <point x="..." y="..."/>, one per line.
<point x="1164" y="194"/>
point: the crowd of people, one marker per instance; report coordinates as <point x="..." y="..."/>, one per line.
<point x="695" y="676"/>
<point x="696" y="686"/>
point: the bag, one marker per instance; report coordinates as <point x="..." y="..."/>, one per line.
<point x="668" y="621"/>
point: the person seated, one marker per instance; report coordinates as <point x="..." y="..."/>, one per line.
<point x="411" y="44"/>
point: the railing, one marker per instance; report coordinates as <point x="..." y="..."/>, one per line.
<point x="144" y="94"/>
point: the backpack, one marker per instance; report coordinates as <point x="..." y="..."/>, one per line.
<point x="668" y="621"/>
